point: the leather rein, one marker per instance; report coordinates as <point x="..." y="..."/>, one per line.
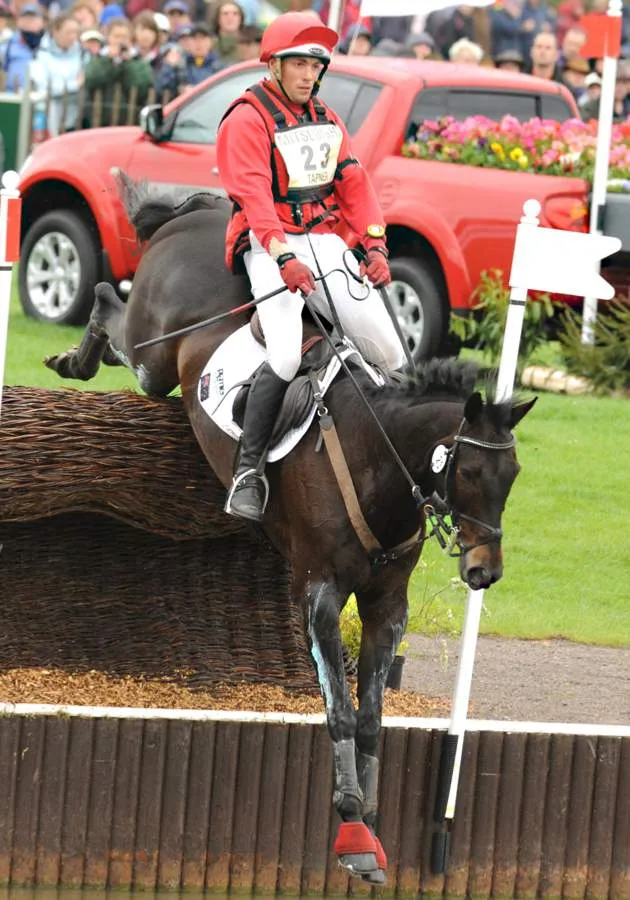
<point x="435" y="508"/>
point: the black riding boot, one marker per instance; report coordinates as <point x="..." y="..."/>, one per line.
<point x="248" y="495"/>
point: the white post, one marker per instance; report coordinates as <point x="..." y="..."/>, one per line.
<point x="8" y="192"/>
<point x="474" y="603"/>
<point x="600" y="173"/>
<point x="334" y="14"/>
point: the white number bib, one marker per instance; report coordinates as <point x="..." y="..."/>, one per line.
<point x="310" y="153"/>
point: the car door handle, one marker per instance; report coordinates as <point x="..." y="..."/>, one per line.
<point x="215" y="170"/>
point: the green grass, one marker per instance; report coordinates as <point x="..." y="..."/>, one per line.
<point x="29" y="342"/>
<point x="567" y="564"/>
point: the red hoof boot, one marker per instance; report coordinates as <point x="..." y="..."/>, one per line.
<point x="378" y="876"/>
<point x="356" y="848"/>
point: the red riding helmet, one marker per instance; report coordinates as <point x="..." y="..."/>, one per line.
<point x="297" y="34"/>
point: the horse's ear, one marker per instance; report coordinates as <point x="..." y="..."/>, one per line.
<point x="520" y="411"/>
<point x="473" y="407"/>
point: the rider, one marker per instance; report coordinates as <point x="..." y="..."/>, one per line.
<point x="287" y="164"/>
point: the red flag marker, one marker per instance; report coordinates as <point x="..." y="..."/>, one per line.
<point x="603" y="36"/>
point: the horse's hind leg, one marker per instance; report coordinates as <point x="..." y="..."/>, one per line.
<point x="354" y="846"/>
<point x="384" y="618"/>
<point x="98" y="342"/>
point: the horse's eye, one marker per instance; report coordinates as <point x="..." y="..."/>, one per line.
<point x="471" y="475"/>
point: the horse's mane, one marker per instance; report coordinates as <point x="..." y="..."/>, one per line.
<point x="444" y="379"/>
<point x="148" y="210"/>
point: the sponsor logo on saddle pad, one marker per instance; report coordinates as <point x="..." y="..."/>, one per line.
<point x="234" y="362"/>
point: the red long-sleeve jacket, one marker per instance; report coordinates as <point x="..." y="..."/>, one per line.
<point x="244" y="152"/>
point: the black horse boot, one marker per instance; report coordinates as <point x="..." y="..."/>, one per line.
<point x="249" y="493"/>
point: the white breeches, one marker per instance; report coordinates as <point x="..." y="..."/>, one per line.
<point x="366" y="322"/>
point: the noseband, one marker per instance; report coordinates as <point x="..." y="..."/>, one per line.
<point x="438" y="506"/>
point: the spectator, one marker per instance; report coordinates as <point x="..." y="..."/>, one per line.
<point x="92" y="42"/>
<point x="248" y="43"/>
<point x="574" y="74"/>
<point x="109" y="12"/>
<point x="621" y="104"/>
<point x="5" y="18"/>
<point x="459" y="25"/>
<point x="163" y="27"/>
<point x="466" y="52"/>
<point x="226" y="24"/>
<point x="357" y="42"/>
<point x="510" y="61"/>
<point x="183" y="40"/>
<point x="569" y="15"/>
<point x="177" y="13"/>
<point x="544" y="57"/>
<point x="505" y="27"/>
<point x="574" y="40"/>
<point x="21" y="48"/>
<point x="85" y="16"/>
<point x="146" y="37"/>
<point x="536" y="19"/>
<point x="116" y="73"/>
<point x="593" y="89"/>
<point x="181" y="71"/>
<point x="422" y="44"/>
<point x="387" y="47"/>
<point x="393" y="28"/>
<point x="58" y="71"/>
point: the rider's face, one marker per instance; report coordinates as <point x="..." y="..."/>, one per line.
<point x="298" y="75"/>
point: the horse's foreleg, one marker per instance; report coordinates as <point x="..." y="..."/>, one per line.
<point x="384" y="618"/>
<point x="83" y="362"/>
<point x="354" y="846"/>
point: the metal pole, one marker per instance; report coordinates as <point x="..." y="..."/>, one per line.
<point x="600" y="174"/>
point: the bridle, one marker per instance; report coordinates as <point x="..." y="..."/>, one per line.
<point x="438" y="506"/>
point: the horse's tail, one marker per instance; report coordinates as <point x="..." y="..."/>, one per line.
<point x="147" y="210"/>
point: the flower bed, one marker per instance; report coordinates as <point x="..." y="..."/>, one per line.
<point x="539" y="145"/>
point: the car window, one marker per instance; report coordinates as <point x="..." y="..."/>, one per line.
<point x="198" y="121"/>
<point x="368" y="95"/>
<point x="555" y="107"/>
<point x="432" y="103"/>
<point x="351" y="98"/>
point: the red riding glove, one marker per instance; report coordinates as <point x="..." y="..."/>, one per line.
<point x="295" y="274"/>
<point x="376" y="267"/>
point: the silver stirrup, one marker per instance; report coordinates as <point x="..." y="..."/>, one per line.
<point x="235" y="483"/>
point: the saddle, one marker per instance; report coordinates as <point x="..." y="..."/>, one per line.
<point x="299" y="398"/>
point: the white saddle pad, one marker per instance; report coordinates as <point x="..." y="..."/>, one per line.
<point x="235" y="361"/>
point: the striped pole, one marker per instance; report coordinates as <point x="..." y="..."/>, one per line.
<point x="10" y="214"/>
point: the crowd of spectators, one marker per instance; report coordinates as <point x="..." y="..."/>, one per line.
<point x="169" y="46"/>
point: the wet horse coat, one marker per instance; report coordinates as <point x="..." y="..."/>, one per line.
<point x="181" y="279"/>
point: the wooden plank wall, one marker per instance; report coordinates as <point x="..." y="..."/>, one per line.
<point x="246" y="806"/>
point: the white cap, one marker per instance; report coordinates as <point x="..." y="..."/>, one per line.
<point x="591" y="79"/>
<point x="162" y="21"/>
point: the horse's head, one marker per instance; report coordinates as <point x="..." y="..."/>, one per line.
<point x="479" y="472"/>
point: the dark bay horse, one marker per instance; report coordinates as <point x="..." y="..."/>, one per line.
<point x="456" y="446"/>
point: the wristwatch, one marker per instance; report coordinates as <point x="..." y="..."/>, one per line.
<point x="376" y="231"/>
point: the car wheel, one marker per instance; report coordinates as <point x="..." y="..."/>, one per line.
<point x="58" y="269"/>
<point x="418" y="304"/>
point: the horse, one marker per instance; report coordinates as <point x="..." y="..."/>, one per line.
<point x="421" y="448"/>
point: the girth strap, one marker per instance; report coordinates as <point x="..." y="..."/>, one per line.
<point x="370" y="543"/>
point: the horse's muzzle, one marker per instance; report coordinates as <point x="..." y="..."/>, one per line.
<point x="480" y="577"/>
